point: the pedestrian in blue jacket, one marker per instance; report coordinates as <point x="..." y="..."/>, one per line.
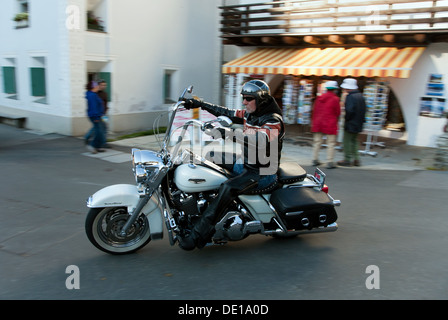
<point x="95" y="111"/>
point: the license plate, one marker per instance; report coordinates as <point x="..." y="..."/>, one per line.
<point x="320" y="176"/>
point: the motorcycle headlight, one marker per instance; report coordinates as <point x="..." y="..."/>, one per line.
<point x="146" y="164"/>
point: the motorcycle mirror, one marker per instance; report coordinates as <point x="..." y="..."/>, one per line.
<point x="225" y="121"/>
<point x="189" y="90"/>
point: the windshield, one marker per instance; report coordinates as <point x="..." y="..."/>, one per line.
<point x="183" y="125"/>
<point x="175" y="117"/>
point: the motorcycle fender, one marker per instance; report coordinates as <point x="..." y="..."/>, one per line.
<point x="126" y="195"/>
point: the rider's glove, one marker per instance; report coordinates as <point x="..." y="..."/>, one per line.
<point x="192" y="104"/>
<point x="216" y="132"/>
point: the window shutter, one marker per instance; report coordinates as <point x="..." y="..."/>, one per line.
<point x="106" y="76"/>
<point x="9" y="80"/>
<point x="38" y="88"/>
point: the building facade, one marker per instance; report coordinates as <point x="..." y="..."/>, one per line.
<point x="147" y="51"/>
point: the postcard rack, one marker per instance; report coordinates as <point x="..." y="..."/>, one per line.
<point x="376" y="96"/>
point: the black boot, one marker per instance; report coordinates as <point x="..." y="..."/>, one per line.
<point x="205" y="228"/>
<point x="187" y="242"/>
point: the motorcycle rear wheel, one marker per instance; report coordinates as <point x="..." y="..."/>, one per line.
<point x="103" y="227"/>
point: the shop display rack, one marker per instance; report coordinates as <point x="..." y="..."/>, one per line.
<point x="376" y="96"/>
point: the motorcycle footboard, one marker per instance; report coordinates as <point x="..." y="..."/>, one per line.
<point x="304" y="208"/>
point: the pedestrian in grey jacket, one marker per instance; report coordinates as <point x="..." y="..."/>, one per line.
<point x="355" y="111"/>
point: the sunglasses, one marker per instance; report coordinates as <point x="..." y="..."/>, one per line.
<point x="248" y="99"/>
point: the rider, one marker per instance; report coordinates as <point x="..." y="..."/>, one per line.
<point x="261" y="136"/>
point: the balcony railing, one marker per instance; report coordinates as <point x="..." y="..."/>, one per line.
<point x="335" y="22"/>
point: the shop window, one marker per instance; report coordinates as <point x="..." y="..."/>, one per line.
<point x="38" y="80"/>
<point x="21" y="16"/>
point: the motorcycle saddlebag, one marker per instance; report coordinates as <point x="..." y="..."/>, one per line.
<point x="303" y="208"/>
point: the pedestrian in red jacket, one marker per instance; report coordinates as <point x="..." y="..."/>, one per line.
<point x="326" y="112"/>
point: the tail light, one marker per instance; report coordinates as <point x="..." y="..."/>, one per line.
<point x="325" y="188"/>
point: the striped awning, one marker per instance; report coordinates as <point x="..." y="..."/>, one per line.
<point x="355" y="62"/>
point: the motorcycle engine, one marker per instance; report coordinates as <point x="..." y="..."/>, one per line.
<point x="231" y="227"/>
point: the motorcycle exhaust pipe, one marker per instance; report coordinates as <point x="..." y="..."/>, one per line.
<point x="330" y="228"/>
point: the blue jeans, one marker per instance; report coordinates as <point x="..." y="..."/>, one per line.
<point x="264" y="180"/>
<point x="98" y="134"/>
<point x="90" y="133"/>
<point x="238" y="168"/>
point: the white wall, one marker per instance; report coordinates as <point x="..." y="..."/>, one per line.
<point x="422" y="131"/>
<point x="176" y="34"/>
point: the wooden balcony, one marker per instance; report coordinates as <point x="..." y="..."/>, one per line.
<point x="336" y="23"/>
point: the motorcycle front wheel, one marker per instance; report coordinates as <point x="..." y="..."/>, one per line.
<point x="104" y="225"/>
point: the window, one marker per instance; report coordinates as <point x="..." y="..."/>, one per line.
<point x="168" y="83"/>
<point x="22" y="15"/>
<point x="97" y="12"/>
<point x="23" y="5"/>
<point x="9" y="79"/>
<point x="94" y="23"/>
<point x="38" y="80"/>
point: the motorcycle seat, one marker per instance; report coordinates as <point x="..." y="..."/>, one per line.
<point x="270" y="188"/>
<point x="290" y="172"/>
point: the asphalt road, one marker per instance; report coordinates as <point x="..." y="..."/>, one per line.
<point x="395" y="221"/>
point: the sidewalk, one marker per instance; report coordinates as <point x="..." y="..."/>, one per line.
<point x="395" y="156"/>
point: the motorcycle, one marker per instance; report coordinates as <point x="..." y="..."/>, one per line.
<point x="174" y="187"/>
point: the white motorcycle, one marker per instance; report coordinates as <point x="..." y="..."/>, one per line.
<point x="174" y="188"/>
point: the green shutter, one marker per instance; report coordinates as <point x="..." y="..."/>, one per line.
<point x="38" y="88"/>
<point x="9" y="80"/>
<point x="106" y="76"/>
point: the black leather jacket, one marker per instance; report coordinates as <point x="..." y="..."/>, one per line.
<point x="262" y="134"/>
